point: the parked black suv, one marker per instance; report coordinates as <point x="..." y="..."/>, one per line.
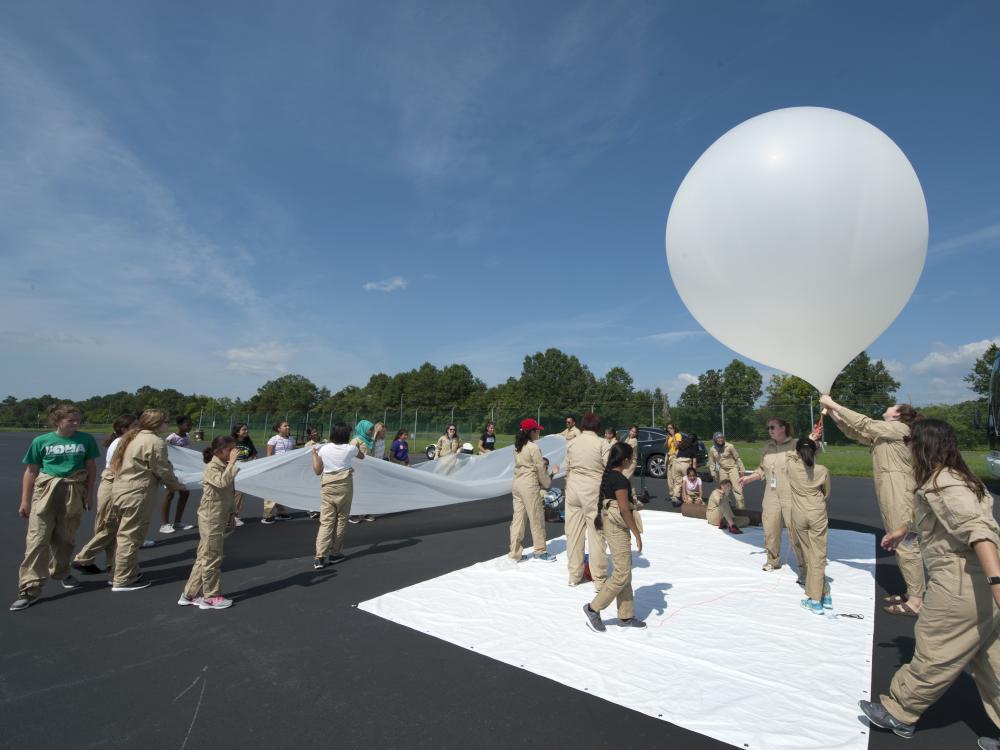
<point x="652" y="451"/>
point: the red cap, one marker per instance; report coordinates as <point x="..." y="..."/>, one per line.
<point x="530" y="424"/>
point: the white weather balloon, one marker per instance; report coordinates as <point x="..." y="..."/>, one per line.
<point x="797" y="238"/>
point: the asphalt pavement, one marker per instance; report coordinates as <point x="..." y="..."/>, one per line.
<point x="294" y="664"/>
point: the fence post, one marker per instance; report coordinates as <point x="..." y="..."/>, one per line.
<point x="415" y="412"/>
<point x="812" y="418"/>
<point x="722" y="406"/>
<point x="330" y="428"/>
<point x="200" y="415"/>
<point x="538" y="416"/>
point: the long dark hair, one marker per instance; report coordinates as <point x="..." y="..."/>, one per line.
<point x="935" y="447"/>
<point x="118" y="428"/>
<point x="806" y="449"/>
<point x="219" y="443"/>
<point x="618" y="456"/>
<point x="522" y="438"/>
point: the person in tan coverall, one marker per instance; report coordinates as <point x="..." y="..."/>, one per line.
<point x="333" y="463"/>
<point x="448" y="443"/>
<point x="571" y="432"/>
<point x="810" y="486"/>
<point x="531" y="479"/>
<point x="216" y="513"/>
<point x="724" y="462"/>
<point x="894" y="486"/>
<point x="104" y="539"/>
<point x="777" y="503"/>
<point x="719" y="511"/>
<point x="959" y="622"/>
<point x="586" y="459"/>
<point x="617" y="524"/>
<point x="632" y="439"/>
<point x="140" y="466"/>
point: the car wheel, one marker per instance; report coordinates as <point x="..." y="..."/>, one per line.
<point x="656" y="467"/>
<point x="429" y="451"/>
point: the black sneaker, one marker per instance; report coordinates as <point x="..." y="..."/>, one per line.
<point x="594" y="619"/>
<point x="69" y="582"/>
<point x="23" y="601"/>
<point x="880" y="717"/>
<point x="319" y="563"/>
<point x="282" y="517"/>
<point x="90" y="568"/>
<point x="632" y="622"/>
<point x="138" y="583"/>
<point x="336" y="559"/>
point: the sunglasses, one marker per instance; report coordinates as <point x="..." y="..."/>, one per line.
<point x="773" y="426"/>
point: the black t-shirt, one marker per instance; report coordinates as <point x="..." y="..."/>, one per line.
<point x="688" y="448"/>
<point x="489" y="441"/>
<point x="246" y="448"/>
<point x="611" y="482"/>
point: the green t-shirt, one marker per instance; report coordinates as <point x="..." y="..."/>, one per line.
<point x="61" y="456"/>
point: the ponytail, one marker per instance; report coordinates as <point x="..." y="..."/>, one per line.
<point x="522" y="438"/>
<point x="219" y="443"/>
<point x="806" y="449"/>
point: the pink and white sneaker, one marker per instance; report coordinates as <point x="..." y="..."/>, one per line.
<point x="215" y="602"/>
<point x="184" y="601"/>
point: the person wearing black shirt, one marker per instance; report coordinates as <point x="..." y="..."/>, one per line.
<point x="618" y="524"/>
<point x="687" y="456"/>
<point x="247" y="452"/>
<point x="488" y="440"/>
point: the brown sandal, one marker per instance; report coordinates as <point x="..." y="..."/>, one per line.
<point x="895" y="599"/>
<point x="901" y="609"/>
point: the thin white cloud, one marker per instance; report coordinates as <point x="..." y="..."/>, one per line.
<point x="676" y="385"/>
<point x="393" y="284"/>
<point x="671" y="337"/>
<point x="949" y="357"/>
<point x="983" y="236"/>
<point x="266" y="358"/>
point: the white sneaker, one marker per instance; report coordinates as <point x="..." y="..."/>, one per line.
<point x="184" y="601"/>
<point x="215" y="602"/>
<point x="238" y="522"/>
<point x="167" y="529"/>
<point x="183" y="526"/>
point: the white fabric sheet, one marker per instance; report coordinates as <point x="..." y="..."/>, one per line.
<point x="728" y="651"/>
<point x="379" y="486"/>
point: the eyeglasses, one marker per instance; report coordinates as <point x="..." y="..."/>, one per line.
<point x="772" y="427"/>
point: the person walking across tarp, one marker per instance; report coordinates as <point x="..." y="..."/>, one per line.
<point x="809" y="483"/>
<point x="617" y="524"/>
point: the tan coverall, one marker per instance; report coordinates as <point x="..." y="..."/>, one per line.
<point x="630" y="471"/>
<point x="958" y="620"/>
<point x="777" y="504"/>
<point x="104" y="536"/>
<point x="530" y="482"/>
<point x="672" y="443"/>
<point x="810" y="488"/>
<point x="727" y="464"/>
<point x="218" y="503"/>
<point x="586" y="457"/>
<point x="133" y="498"/>
<point x="619" y="538"/>
<point x="894" y="484"/>
<point x="720" y="508"/>
<point x="571" y="433"/>
<point x="56" y="509"/>
<point x="336" y="495"/>
<point x="446" y="446"/>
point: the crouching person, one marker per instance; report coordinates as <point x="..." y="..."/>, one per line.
<point x="332" y="462"/>
<point x="720" y="509"/>
<point x="216" y="513"/>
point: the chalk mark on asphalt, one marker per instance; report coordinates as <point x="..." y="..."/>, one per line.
<point x="197" y="708"/>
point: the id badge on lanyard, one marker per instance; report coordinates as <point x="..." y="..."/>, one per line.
<point x="774" y="481"/>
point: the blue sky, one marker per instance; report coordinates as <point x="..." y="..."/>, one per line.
<point x="205" y="196"/>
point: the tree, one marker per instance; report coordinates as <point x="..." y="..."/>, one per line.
<point x="555" y="379"/>
<point x="785" y="390"/>
<point x="865" y="385"/>
<point x="741" y="384"/>
<point x="616" y="387"/>
<point x="706" y="392"/>
<point x="979" y="378"/>
<point x="289" y="393"/>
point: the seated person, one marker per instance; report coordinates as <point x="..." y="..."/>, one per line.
<point x="691" y="489"/>
<point x="720" y="509"/>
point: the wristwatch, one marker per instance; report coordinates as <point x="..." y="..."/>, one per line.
<point x="993" y="580"/>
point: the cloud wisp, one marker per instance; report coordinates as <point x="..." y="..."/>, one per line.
<point x="949" y="357"/>
<point x="392" y="284"/>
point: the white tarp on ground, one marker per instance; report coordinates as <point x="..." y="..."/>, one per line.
<point x="379" y="486"/>
<point x="728" y="653"/>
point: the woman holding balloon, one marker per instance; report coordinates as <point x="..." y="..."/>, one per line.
<point x="777" y="505"/>
<point x="894" y="486"/>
